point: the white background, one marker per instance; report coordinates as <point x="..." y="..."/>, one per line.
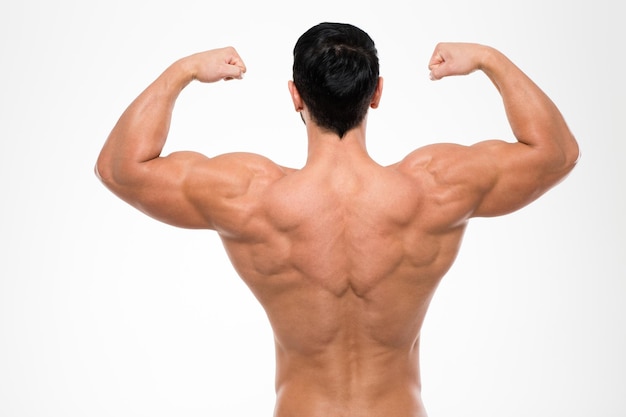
<point x="105" y="312"/>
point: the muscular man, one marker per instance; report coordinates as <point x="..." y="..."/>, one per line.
<point x="344" y="254"/>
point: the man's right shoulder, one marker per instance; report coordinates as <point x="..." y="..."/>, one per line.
<point x="430" y="156"/>
<point x="438" y="171"/>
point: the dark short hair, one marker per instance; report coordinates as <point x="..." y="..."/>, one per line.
<point x="335" y="70"/>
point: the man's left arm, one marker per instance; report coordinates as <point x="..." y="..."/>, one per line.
<point x="130" y="164"/>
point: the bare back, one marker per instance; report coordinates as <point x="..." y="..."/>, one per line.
<point x="345" y="260"/>
<point x="344" y="255"/>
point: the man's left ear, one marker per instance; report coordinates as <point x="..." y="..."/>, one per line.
<point x="377" y="94"/>
<point x="295" y="97"/>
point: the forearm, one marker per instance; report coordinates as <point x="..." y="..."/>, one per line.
<point x="534" y="118"/>
<point x="142" y="130"/>
<point x="140" y="134"/>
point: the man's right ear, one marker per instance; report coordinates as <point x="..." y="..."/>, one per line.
<point x="377" y="94"/>
<point x="295" y="97"/>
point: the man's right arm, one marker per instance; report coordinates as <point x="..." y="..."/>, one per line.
<point x="498" y="177"/>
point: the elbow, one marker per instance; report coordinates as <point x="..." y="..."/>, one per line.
<point x="97" y="170"/>
<point x="116" y="174"/>
<point x="101" y="170"/>
<point x="559" y="158"/>
<point x="565" y="157"/>
<point x="105" y="172"/>
<point x="571" y="154"/>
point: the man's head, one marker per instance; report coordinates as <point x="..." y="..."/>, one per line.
<point x="336" y="72"/>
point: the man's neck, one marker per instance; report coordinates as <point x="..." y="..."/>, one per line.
<point x="326" y="146"/>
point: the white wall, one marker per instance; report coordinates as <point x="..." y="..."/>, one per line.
<point x="104" y="311"/>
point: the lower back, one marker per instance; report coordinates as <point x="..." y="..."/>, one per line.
<point x="351" y="374"/>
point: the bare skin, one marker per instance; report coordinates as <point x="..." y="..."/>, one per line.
<point x="343" y="254"/>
